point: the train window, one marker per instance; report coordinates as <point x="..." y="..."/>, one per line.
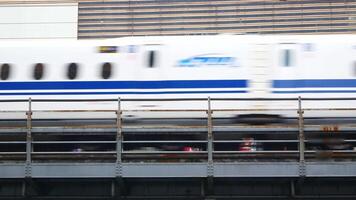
<point x="72" y="71"/>
<point x="287" y="57"/>
<point x="5" y="71"/>
<point x="151" y="59"/>
<point x="106" y="70"/>
<point x="38" y="71"/>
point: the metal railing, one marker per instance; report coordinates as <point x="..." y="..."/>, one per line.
<point x="204" y="143"/>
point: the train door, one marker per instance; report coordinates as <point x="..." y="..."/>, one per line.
<point x="150" y="72"/>
<point x="286" y="59"/>
<point x="285" y="68"/>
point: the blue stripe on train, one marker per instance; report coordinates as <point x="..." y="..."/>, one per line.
<point x="314" y="83"/>
<point x="108" y="93"/>
<point x="88" y="85"/>
<point x="313" y="91"/>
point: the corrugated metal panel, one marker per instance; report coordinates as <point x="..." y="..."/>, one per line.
<point x="109" y="18"/>
<point x="38" y="21"/>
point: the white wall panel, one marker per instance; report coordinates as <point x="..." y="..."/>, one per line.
<point x="38" y="31"/>
<point x="38" y="21"/>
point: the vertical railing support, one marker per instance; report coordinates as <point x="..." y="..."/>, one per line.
<point x="29" y="140"/>
<point x="301" y="138"/>
<point x="119" y="139"/>
<point x="292" y="189"/>
<point x="210" y="133"/>
<point x="119" y="185"/>
<point x="210" y="165"/>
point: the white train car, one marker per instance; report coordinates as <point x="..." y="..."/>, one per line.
<point x="221" y="66"/>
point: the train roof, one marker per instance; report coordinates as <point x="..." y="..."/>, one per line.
<point x="167" y="39"/>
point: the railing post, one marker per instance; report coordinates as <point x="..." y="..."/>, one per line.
<point x="210" y="133"/>
<point x="118" y="138"/>
<point x="301" y="138"/>
<point x="210" y="166"/>
<point x="29" y="140"/>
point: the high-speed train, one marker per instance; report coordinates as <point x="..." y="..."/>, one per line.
<point x="219" y="66"/>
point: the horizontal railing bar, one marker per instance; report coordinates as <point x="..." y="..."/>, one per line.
<point x="254" y="109"/>
<point x="331" y="151"/>
<point x="73" y="142"/>
<point x="215" y="99"/>
<point x="282" y="99"/>
<point x="73" y="129"/>
<point x="260" y="141"/>
<point x="13" y="142"/>
<point x="181" y="110"/>
<point x="287" y="151"/>
<point x="349" y="140"/>
<point x="93" y="129"/>
<point x="74" y="111"/>
<point x="170" y="152"/>
<point x="165" y="127"/>
<point x="67" y="127"/>
<point x="10" y="153"/>
<point x="13" y="111"/>
<point x="286" y="141"/>
<point x="163" y="152"/>
<point x="149" y="110"/>
<point x="165" y="141"/>
<point x="165" y="110"/>
<point x="329" y="139"/>
<point x="238" y="130"/>
<point x="177" y="99"/>
<point x="56" y="100"/>
<point x="73" y="152"/>
<point x="260" y="152"/>
<point x="175" y="152"/>
<point x="328" y="109"/>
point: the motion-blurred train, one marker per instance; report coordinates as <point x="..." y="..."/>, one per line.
<point x="219" y="66"/>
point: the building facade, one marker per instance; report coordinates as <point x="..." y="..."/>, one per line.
<point x="91" y="19"/>
<point x="108" y="18"/>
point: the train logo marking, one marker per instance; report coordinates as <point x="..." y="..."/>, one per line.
<point x="308" y="47"/>
<point x="108" y="49"/>
<point x="132" y="49"/>
<point x="208" y="60"/>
